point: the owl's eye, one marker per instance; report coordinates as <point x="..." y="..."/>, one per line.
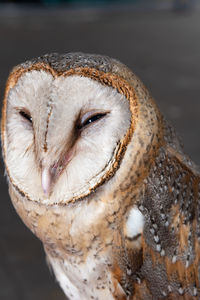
<point x="26" y="116"/>
<point x="91" y="117"/>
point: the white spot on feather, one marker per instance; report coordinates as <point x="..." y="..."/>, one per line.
<point x="135" y="223"/>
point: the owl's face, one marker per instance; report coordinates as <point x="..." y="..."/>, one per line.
<point x="62" y="134"/>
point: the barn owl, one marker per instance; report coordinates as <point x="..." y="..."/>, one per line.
<point x="100" y="177"/>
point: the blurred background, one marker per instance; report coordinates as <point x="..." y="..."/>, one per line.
<point x="159" y="40"/>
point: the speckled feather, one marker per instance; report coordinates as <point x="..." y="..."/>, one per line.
<point x="92" y="252"/>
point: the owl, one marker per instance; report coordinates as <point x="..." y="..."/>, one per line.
<point x="99" y="176"/>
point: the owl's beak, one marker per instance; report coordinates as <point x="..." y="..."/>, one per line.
<point x="46" y="181"/>
<point x="50" y="174"/>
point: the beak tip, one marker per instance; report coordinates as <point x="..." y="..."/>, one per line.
<point x="45" y="192"/>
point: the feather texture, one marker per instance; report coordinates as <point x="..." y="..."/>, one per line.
<point x="96" y="172"/>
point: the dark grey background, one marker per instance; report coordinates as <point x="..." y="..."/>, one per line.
<point x="162" y="46"/>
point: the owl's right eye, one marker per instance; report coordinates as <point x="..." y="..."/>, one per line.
<point x="26" y="116"/>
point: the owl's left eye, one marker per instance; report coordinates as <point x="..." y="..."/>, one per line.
<point x="90" y="117"/>
<point x="26" y="115"/>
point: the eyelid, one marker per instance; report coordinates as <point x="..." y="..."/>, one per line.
<point x="26" y="116"/>
<point x="90" y="114"/>
<point x="24" y="112"/>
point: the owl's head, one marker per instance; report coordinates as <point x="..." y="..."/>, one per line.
<point x="70" y="121"/>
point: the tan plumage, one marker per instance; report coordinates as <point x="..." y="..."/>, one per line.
<point x="96" y="172"/>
